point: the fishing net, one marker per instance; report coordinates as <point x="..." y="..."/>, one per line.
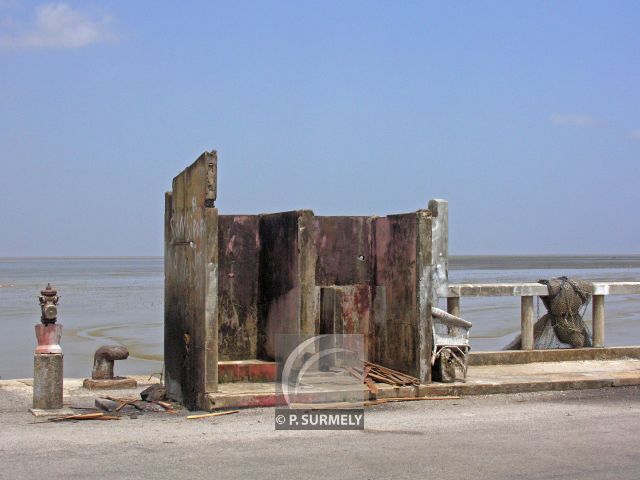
<point x="563" y="326"/>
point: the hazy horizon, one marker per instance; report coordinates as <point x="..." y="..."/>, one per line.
<point x="524" y="255"/>
<point x="130" y="296"/>
<point x="460" y="256"/>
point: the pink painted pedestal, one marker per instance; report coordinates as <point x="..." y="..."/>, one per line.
<point x="48" y="337"/>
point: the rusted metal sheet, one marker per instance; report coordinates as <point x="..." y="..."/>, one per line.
<point x="344" y="250"/>
<point x="233" y="283"/>
<point x="347" y="310"/>
<point x="283" y="278"/>
<point x="238" y="276"/>
<point x="396" y="335"/>
<point x="307" y="258"/>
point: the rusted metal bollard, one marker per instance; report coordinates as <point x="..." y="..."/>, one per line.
<point x="102" y="374"/>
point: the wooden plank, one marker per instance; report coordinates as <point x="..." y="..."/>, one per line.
<point x="208" y="415"/>
<point x="382" y="401"/>
<point x="371" y="386"/>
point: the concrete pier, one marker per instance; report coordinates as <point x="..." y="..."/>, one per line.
<point x="526" y="322"/>
<point x="527" y="291"/>
<point x="47" y="381"/>
<point x="598" y="321"/>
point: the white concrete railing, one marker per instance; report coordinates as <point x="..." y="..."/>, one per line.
<point x="527" y="291"/>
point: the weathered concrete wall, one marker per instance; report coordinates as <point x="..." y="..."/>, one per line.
<point x="238" y="282"/>
<point x="426" y="260"/>
<point x="309" y="293"/>
<point x="191" y="281"/>
<point x="440" y="248"/>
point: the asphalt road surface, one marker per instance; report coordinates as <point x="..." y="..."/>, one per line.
<point x="591" y="434"/>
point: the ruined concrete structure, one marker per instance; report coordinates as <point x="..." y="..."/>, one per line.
<point x="234" y="282"/>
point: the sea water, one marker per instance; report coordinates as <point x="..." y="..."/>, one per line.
<point x="119" y="301"/>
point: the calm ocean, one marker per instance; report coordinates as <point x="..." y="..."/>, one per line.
<point x="120" y="301"/>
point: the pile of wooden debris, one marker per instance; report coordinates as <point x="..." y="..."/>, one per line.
<point x="372" y="372"/>
<point x="152" y="399"/>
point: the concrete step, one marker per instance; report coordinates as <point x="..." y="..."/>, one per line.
<point x="481" y="380"/>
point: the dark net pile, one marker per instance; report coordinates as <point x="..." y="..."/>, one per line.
<point x="563" y="324"/>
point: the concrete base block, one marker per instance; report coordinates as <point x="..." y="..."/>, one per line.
<point x="58" y="412"/>
<point x="512" y="357"/>
<point x="47" y="381"/>
<point x="117" y="383"/>
<point x="481" y="380"/>
<point x="389" y="391"/>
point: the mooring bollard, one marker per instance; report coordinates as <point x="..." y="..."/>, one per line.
<point x="48" y="364"/>
<point x="102" y="373"/>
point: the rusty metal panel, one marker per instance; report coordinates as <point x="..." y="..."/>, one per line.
<point x="343" y="247"/>
<point x="397" y="336"/>
<point x="279" y="280"/>
<point x="238" y="277"/>
<point x="347" y="310"/>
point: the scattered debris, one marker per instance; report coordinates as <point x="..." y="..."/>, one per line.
<point x="106" y="404"/>
<point x="154" y="393"/>
<point x="207" y="415"/>
<point x="122" y="402"/>
<point x="148" y="406"/>
<point x="135" y="405"/>
<point x="378" y="373"/>
<point x="371" y="386"/>
<point x="85" y="416"/>
<point x="380" y="401"/>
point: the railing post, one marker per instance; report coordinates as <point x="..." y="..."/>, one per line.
<point x="526" y="323"/>
<point x="598" y="321"/>
<point x="453" y="306"/>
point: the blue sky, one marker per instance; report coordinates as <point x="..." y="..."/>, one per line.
<point x="524" y="115"/>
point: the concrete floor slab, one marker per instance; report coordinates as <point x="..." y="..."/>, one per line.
<point x="481" y="380"/>
<point x="57" y="412"/>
